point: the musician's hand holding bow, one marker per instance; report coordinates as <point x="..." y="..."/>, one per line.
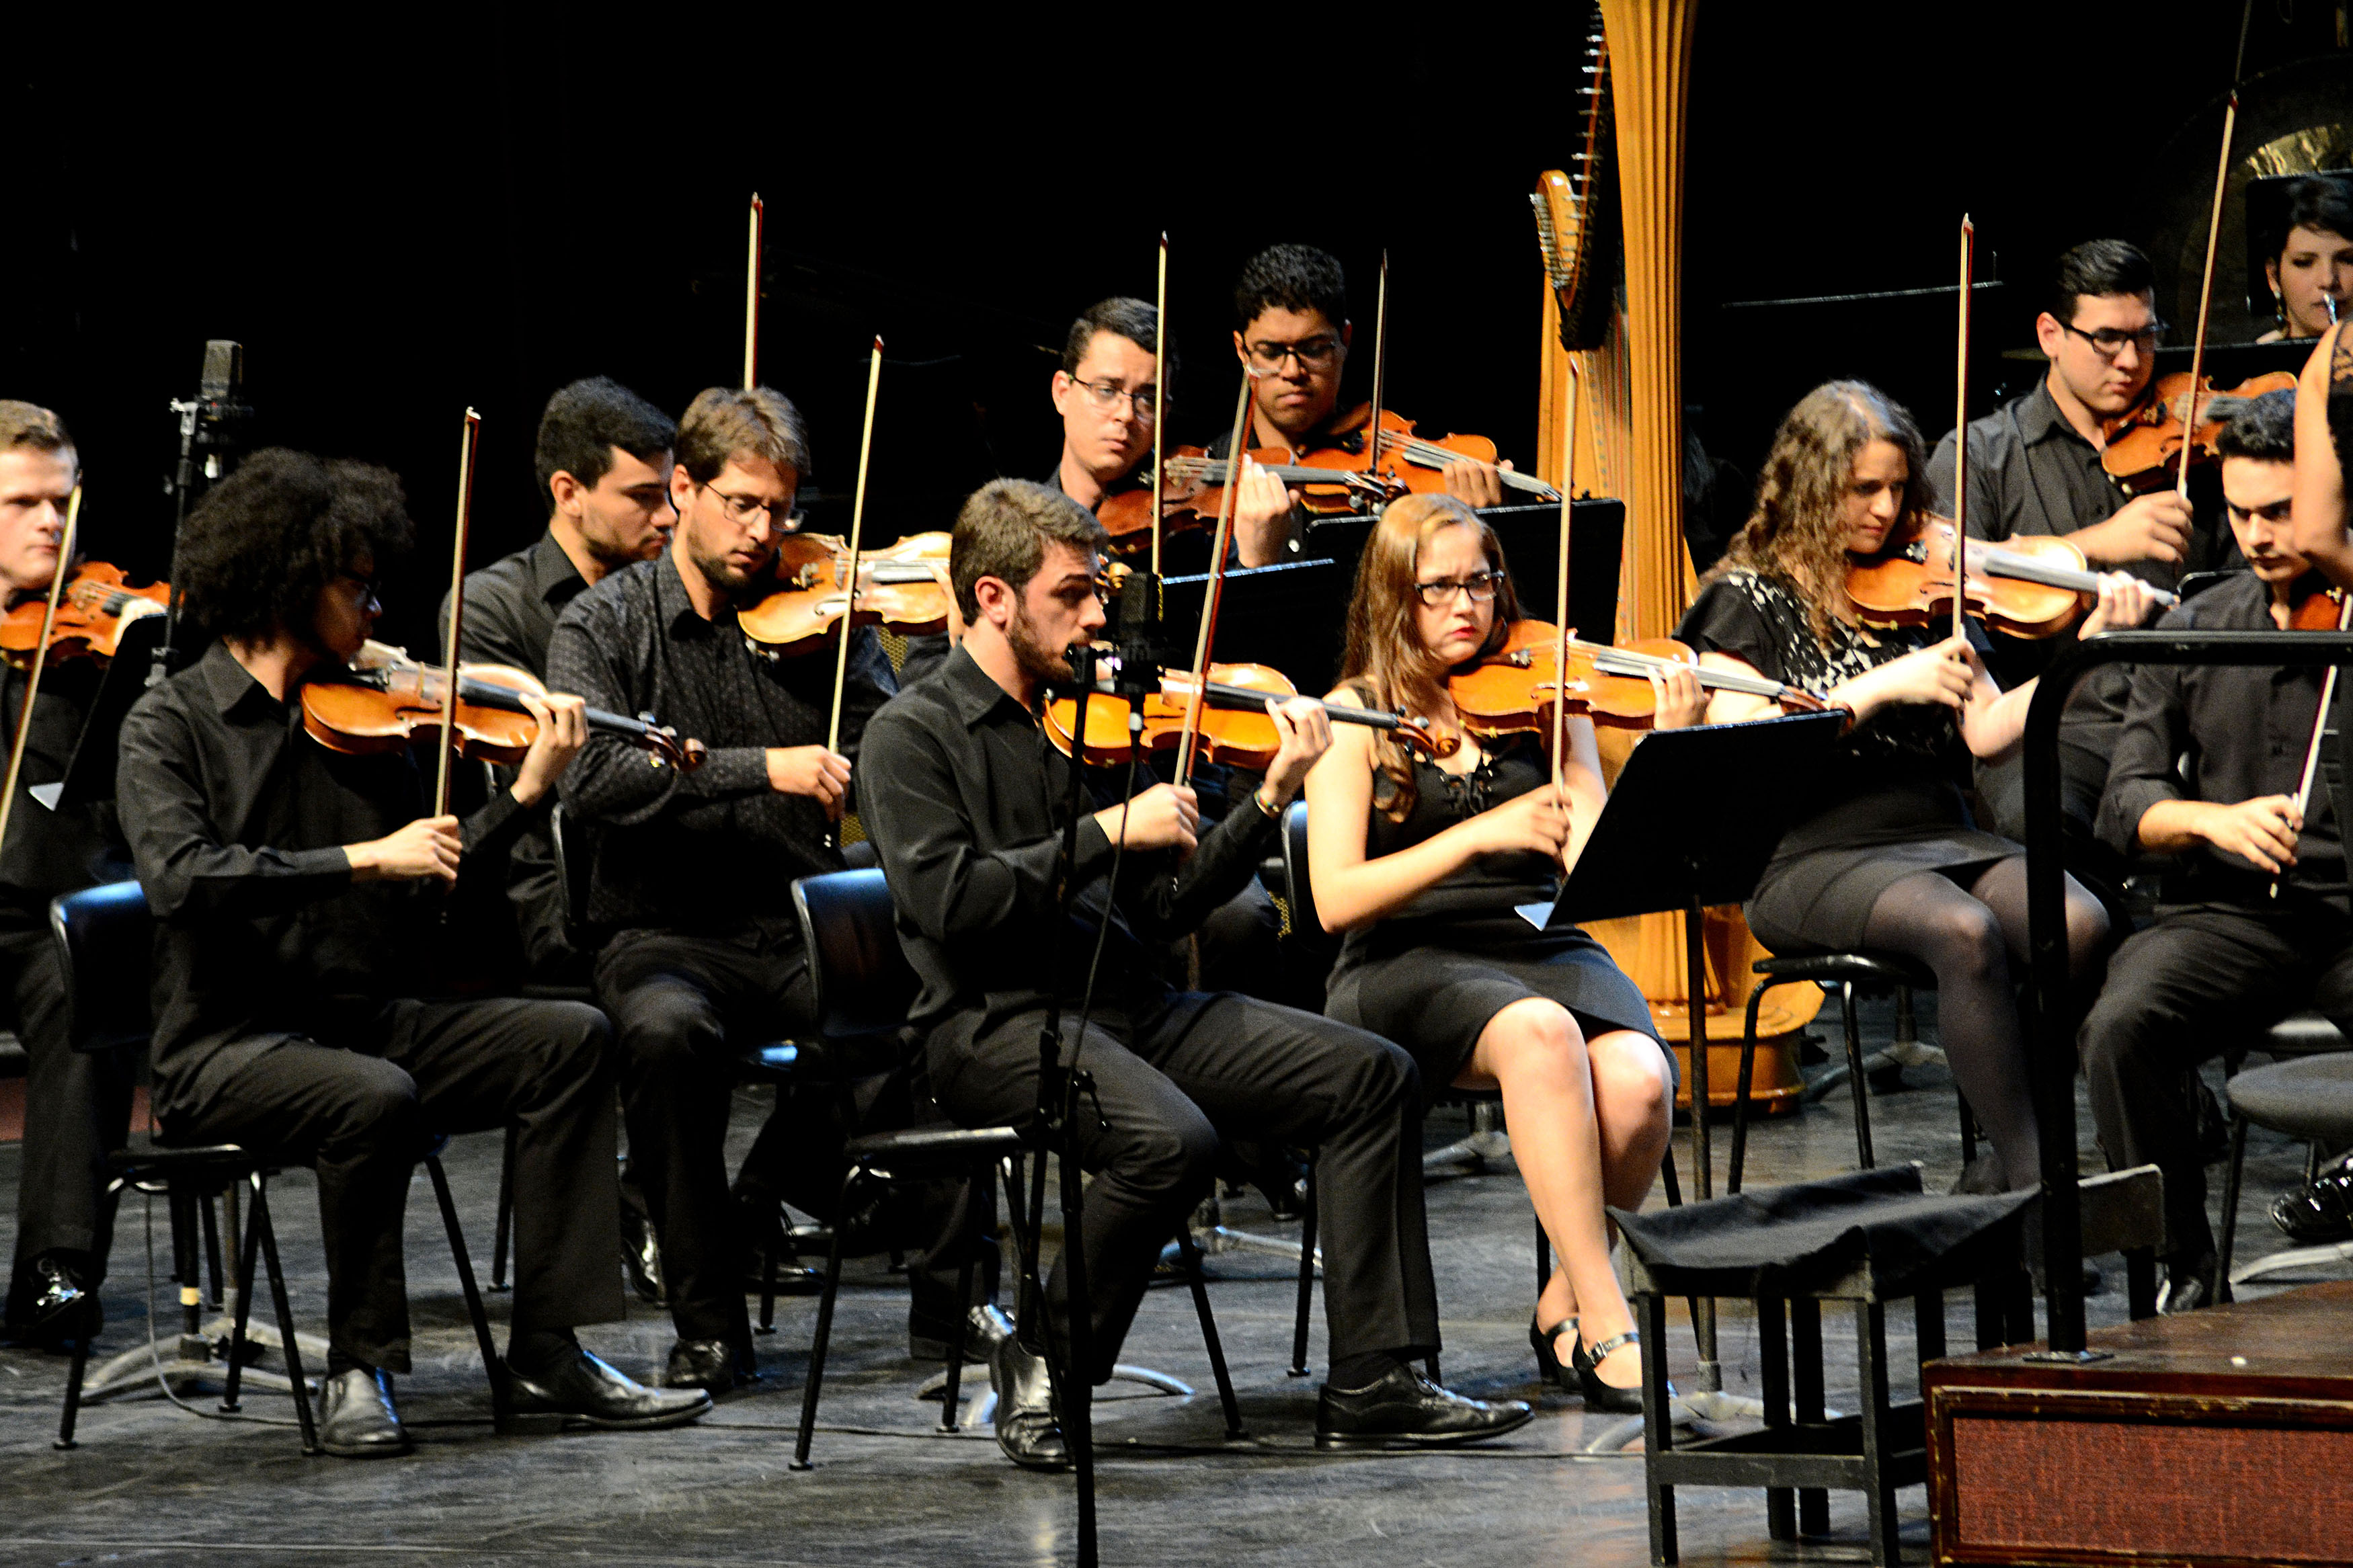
<point x="1162" y="818"/>
<point x="1536" y="822"/>
<point x="812" y="771"/>
<point x="2154" y="527"/>
<point x="1943" y="673"/>
<point x="2262" y="830"/>
<point x="426" y="849"/>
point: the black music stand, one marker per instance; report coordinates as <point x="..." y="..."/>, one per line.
<point x="1665" y="841"/>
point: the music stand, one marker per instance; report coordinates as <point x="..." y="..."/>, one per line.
<point x="1665" y="841"/>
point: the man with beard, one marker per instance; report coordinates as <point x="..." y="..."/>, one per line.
<point x="690" y="871"/>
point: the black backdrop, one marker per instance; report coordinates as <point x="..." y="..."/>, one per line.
<point x="402" y="211"/>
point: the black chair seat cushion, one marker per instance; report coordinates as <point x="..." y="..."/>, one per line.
<point x="1793" y="1240"/>
<point x="2310" y="1099"/>
<point x="1859" y="968"/>
<point x="2301" y="1035"/>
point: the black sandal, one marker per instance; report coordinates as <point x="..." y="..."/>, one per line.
<point x="1600" y="1395"/>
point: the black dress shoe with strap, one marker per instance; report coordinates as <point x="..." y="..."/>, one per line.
<point x="1585" y="1366"/>
<point x="589" y="1394"/>
<point x="356" y="1420"/>
<point x="1403" y="1409"/>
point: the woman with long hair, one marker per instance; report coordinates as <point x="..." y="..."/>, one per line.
<point x="1889" y="860"/>
<point x="1421" y="864"/>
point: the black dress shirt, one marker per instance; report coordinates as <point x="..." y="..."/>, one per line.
<point x="965" y="800"/>
<point x="714" y="849"/>
<point x="512" y="606"/>
<point x="48" y="852"/>
<point x="237" y="821"/>
<point x="2241" y="732"/>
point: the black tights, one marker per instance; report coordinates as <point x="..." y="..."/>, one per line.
<point x="1969" y="938"/>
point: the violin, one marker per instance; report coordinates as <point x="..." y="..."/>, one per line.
<point x="1406" y="462"/>
<point x="2144" y="447"/>
<point x="1193" y="491"/>
<point x="1513" y="689"/>
<point x="1234" y="726"/>
<point x="97" y="603"/>
<point x="903" y="588"/>
<point x="390" y="701"/>
<point x="2031" y="585"/>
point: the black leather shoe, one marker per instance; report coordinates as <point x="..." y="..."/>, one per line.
<point x="2319" y="1212"/>
<point x="356" y="1420"/>
<point x="2190" y="1284"/>
<point x="1406" y="1410"/>
<point x="1584" y="1365"/>
<point x="589" y="1394"/>
<point x="707" y="1365"/>
<point x="641" y="1254"/>
<point x="984" y="1327"/>
<point x="54" y="1313"/>
<point x="1028" y="1428"/>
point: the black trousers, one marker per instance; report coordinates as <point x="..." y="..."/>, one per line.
<point x="77" y="1108"/>
<point x="2179" y="992"/>
<point x="1171" y="1084"/>
<point x="542" y="1068"/>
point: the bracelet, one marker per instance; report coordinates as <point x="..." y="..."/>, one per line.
<point x="1271" y="813"/>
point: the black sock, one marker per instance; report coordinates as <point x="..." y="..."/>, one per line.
<point x="534" y="1351"/>
<point x="1363" y="1371"/>
<point x="338" y="1363"/>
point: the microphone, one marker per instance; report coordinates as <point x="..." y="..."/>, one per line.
<point x="1141" y="636"/>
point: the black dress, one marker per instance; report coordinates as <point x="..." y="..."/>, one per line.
<point x="1889" y="802"/>
<point x="1430" y="976"/>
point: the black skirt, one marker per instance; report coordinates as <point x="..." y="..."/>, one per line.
<point x="1435" y="993"/>
<point x="1827" y="873"/>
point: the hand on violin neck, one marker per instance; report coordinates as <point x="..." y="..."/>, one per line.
<point x="563" y="730"/>
<point x="1306" y="731"/>
<point x="1680" y="701"/>
<point x="812" y="771"/>
<point x="1162" y="818"/>
<point x="426" y="849"/>
<point x="1262" y="515"/>
<point x="2124" y="602"/>
<point x="2154" y="527"/>
<point x="1474" y="483"/>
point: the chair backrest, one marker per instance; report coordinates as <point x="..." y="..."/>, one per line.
<point x="864" y="985"/>
<point x="1297" y="891"/>
<point x="106" y="948"/>
<point x="564" y="843"/>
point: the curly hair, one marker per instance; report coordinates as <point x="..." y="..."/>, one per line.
<point x="260" y="546"/>
<point x="1797" y="531"/>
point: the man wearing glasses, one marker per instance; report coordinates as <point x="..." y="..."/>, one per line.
<point x="2034" y="468"/>
<point x="690" y="870"/>
<point x="1291" y="320"/>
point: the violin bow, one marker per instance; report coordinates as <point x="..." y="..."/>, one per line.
<point x="751" y="298"/>
<point x="857" y="521"/>
<point x="2206" y="278"/>
<point x="1380" y="369"/>
<point x="1560" y="582"/>
<point x="40" y="657"/>
<point x="1160" y="387"/>
<point x="1208" y="628"/>
<point x="2319" y="726"/>
<point x="467" y="441"/>
<point x="1961" y="441"/>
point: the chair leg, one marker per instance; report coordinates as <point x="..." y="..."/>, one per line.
<point x="2231" y="1184"/>
<point x="1854" y="1081"/>
<point x="503" y="1226"/>
<point x="825" y="1330"/>
<point x="1544" y="1259"/>
<point x="2140" y="1284"/>
<point x="1969" y="1130"/>
<point x="1748" y="1077"/>
<point x="93" y="1322"/>
<point x="974" y="1183"/>
<point x="1773" y="1360"/>
<point x="1658" y="1432"/>
<point x="186" y="1271"/>
<point x="1672" y="1183"/>
<point x="778" y="1241"/>
<point x="212" y="1251"/>
<point x="259" y="1220"/>
<point x="1307" y="1278"/>
<point x="233" y="1382"/>
<point x="1878" y="1491"/>
<point x="1191" y="1255"/>
<point x="1806" y="1384"/>
<point x="493" y="1366"/>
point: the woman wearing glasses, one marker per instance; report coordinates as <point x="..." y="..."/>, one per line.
<point x="1421" y="864"/>
<point x="1890" y="862"/>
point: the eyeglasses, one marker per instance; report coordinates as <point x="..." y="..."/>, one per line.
<point x="1102" y="397"/>
<point x="1481" y="585"/>
<point x="2108" y="343"/>
<point x="1314" y="354"/>
<point x="741" y="510"/>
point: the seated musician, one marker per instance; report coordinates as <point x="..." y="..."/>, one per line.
<point x="2310" y="267"/>
<point x="2226" y="953"/>
<point x="2034" y="469"/>
<point x="1890" y="862"/>
<point x="691" y="871"/>
<point x="1422" y="863"/>
<point x="296" y="890"/>
<point x="1291" y="330"/>
<point x="602" y="459"/>
<point x="963" y="798"/>
<point x="77" y="1105"/>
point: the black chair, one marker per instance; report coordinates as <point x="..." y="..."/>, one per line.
<point x="1848" y="973"/>
<point x="864" y="989"/>
<point x="105" y="939"/>
<point x="2306" y="1093"/>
